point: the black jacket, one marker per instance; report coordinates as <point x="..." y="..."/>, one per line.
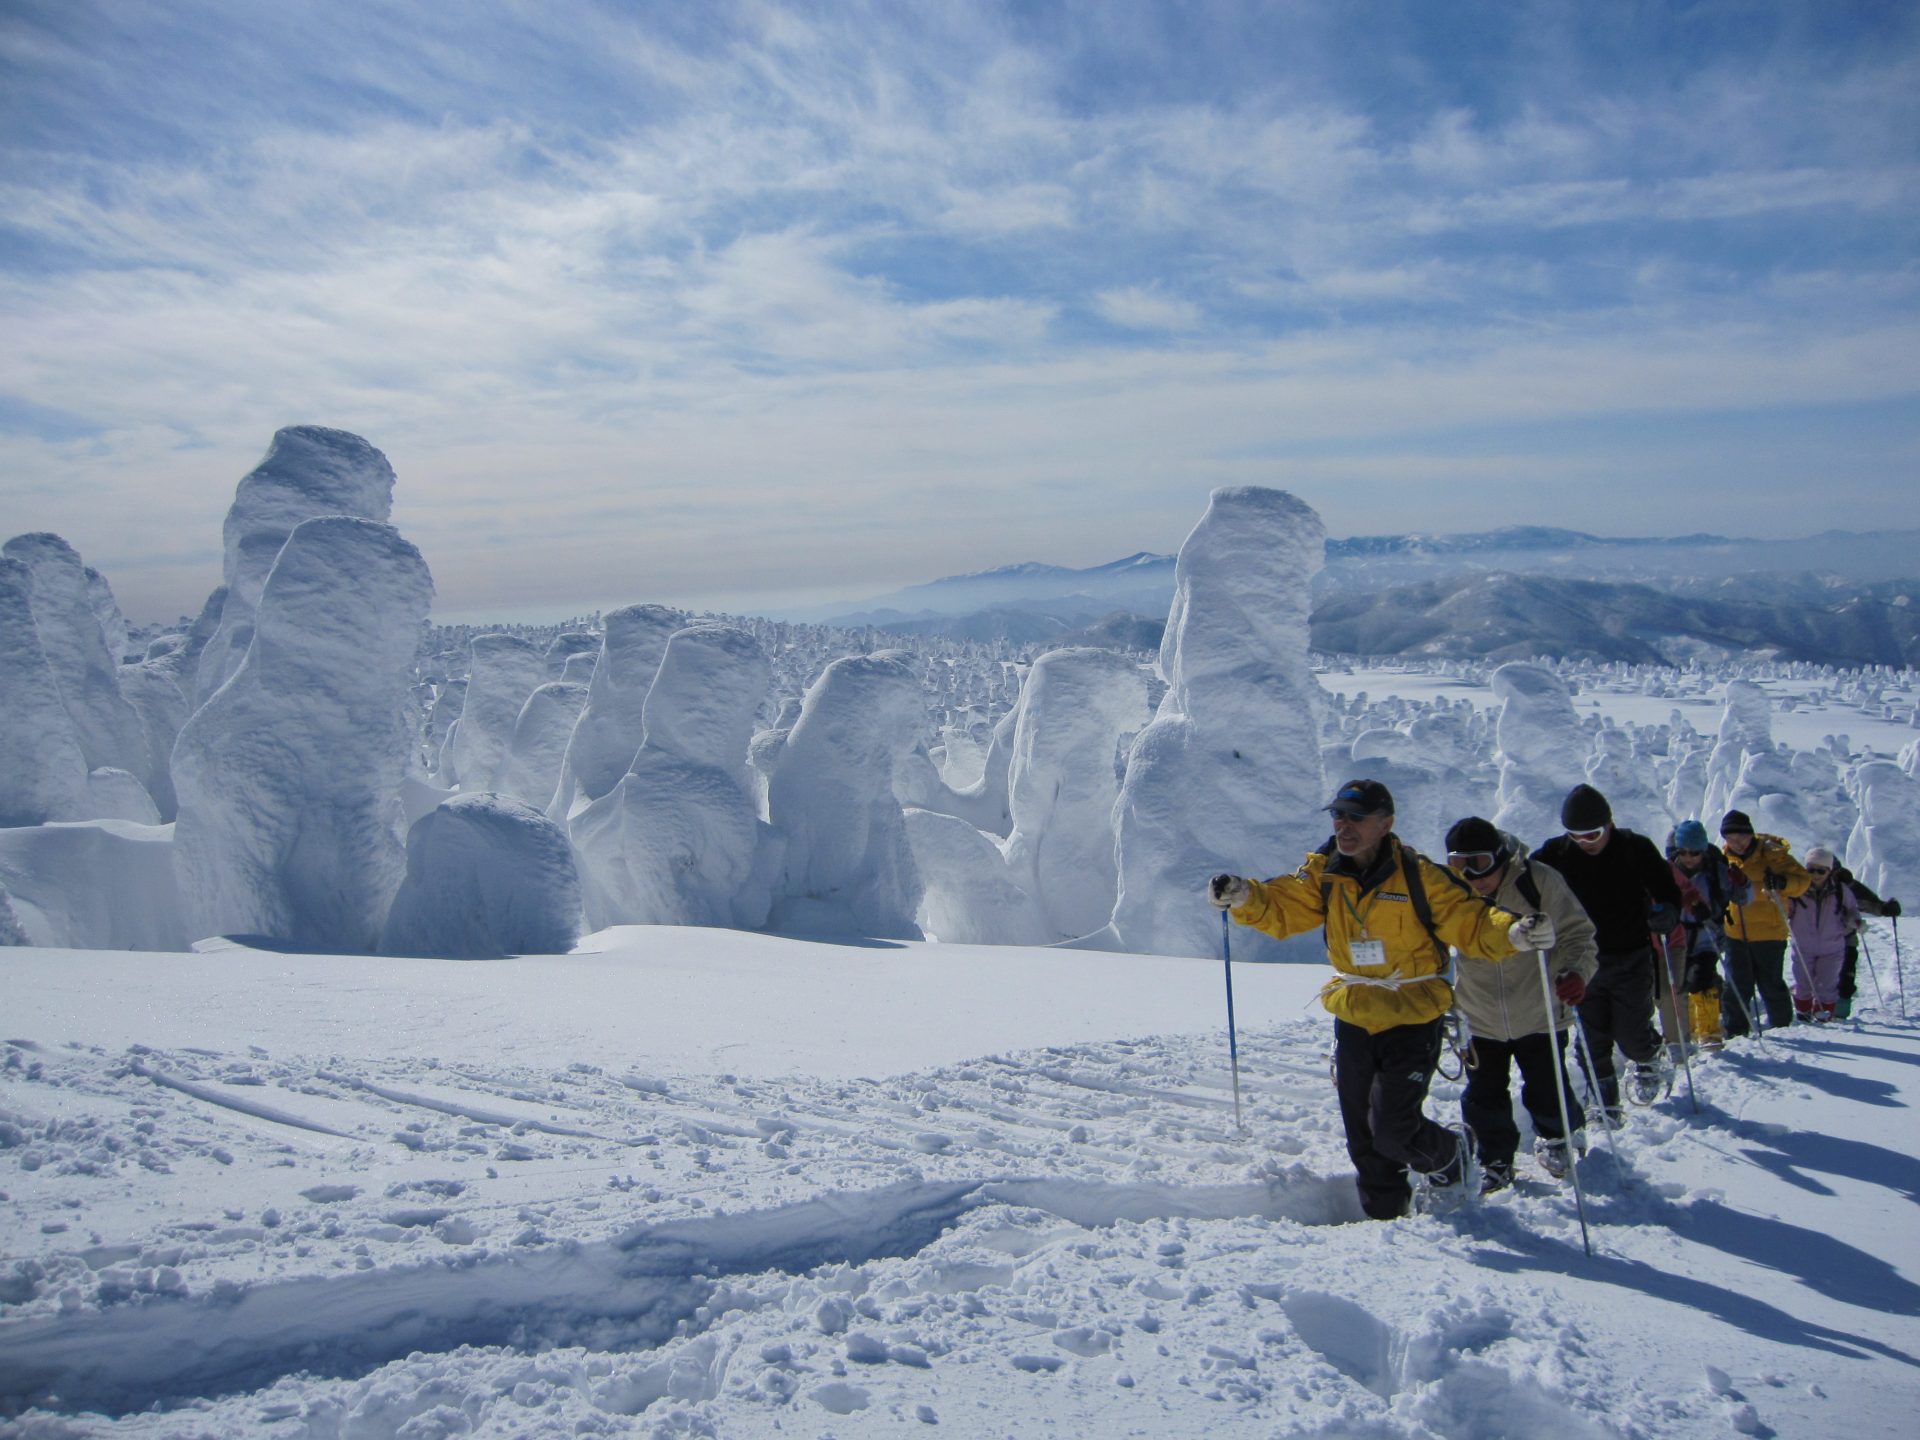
<point x="1618" y="888"/>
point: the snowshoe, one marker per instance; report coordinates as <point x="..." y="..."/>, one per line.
<point x="1495" y="1175"/>
<point x="1648" y="1082"/>
<point x="1446" y="1190"/>
<point x="1554" y="1156"/>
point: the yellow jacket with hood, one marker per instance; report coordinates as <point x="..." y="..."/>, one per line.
<point x="1762" y="918"/>
<point x="1411" y="987"/>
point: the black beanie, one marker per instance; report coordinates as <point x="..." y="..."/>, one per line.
<point x="1473" y="835"/>
<point x="1585" y="808"/>
<point x="1735" y="822"/>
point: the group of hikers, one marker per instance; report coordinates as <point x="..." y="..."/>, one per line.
<point x="1614" y="932"/>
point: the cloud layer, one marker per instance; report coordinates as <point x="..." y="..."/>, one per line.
<point x="714" y="304"/>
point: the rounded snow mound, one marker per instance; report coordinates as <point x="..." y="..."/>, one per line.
<point x="487" y="876"/>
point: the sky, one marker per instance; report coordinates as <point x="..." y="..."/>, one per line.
<point x="737" y="305"/>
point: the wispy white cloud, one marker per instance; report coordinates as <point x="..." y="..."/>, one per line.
<point x="774" y="285"/>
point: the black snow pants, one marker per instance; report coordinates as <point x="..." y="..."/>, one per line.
<point x="1756" y="965"/>
<point x="1487" y="1103"/>
<point x="1382" y="1082"/>
<point x="1618" y="1010"/>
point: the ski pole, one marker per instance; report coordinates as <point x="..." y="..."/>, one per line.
<point x="1793" y="947"/>
<point x="1233" y="1041"/>
<point x="1899" y="971"/>
<point x="1595" y="1096"/>
<point x="1560" y="1091"/>
<point x="1675" y="999"/>
<point x="1733" y="988"/>
<point x="1866" y="954"/>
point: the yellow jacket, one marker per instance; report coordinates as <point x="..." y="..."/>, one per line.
<point x="1761" y="918"/>
<point x="1411" y="987"/>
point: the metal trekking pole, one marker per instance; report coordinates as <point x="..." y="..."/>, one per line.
<point x="1799" y="961"/>
<point x="1899" y="973"/>
<point x="1596" y="1098"/>
<point x="1560" y="1092"/>
<point x="1674" y="1001"/>
<point x="1866" y="954"/>
<point x="1233" y="1040"/>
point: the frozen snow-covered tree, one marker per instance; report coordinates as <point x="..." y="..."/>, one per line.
<point x="289" y="776"/>
<point x="1227" y="776"/>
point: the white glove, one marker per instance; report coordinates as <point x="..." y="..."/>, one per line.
<point x="1535" y="932"/>
<point x="1225" y="892"/>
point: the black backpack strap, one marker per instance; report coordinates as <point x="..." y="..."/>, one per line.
<point x="1417" y="894"/>
<point x="1529" y="887"/>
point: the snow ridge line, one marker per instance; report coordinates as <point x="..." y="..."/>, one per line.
<point x="650" y="1283"/>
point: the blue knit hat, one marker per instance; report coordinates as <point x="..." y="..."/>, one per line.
<point x="1690" y="835"/>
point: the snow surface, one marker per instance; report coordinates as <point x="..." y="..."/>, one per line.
<point x="694" y="1182"/>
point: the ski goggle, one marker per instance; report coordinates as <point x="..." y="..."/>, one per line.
<point x="1586" y="834"/>
<point x="1474" y="863"/>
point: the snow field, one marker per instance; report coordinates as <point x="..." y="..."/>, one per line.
<point x="537" y="1220"/>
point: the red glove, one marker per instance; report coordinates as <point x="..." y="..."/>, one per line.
<point x="1570" y="988"/>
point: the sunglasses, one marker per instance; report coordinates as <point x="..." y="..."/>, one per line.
<point x="1586" y="834"/>
<point x="1819" y="869"/>
<point x="1689" y="852"/>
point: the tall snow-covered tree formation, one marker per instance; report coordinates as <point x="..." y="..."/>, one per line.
<point x="289" y="776"/>
<point x="1228" y="775"/>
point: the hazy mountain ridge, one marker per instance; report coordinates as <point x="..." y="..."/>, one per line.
<point x="1511" y="617"/>
<point x="1831" y="596"/>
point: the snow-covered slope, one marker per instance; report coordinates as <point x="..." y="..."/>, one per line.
<point x="698" y="1183"/>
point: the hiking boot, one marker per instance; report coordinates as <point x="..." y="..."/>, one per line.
<point x="1552" y="1156"/>
<point x="1823" y="1014"/>
<point x="1843" y="1009"/>
<point x="1616" y="1117"/>
<point x="1802" y="1011"/>
<point x="1495" y="1175"/>
<point x="1645" y="1083"/>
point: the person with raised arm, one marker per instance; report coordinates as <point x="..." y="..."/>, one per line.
<point x="1388" y="915"/>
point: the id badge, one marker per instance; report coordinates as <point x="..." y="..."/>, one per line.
<point x="1368" y="952"/>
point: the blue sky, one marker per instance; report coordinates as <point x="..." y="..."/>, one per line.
<point x="724" y="304"/>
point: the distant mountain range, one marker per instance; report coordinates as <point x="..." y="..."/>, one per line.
<point x="1525" y="590"/>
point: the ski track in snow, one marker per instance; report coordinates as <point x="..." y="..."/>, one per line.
<point x="424" y="1249"/>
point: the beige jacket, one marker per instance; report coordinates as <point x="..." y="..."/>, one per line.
<point x="1504" y="1002"/>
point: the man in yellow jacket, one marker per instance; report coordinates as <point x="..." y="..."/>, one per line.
<point x="1389" y="989"/>
<point x="1757" y="932"/>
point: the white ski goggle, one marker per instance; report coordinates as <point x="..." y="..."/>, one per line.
<point x="1474" y="863"/>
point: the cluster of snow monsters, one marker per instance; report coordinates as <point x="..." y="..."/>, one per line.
<point x="311" y="762"/>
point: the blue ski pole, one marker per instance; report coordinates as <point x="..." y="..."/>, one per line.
<point x="1233" y="1041"/>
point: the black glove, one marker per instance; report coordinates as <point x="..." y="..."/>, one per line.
<point x="1890" y="909"/>
<point x="1662" y="918"/>
<point x="1774" y="880"/>
<point x="1703" y="974"/>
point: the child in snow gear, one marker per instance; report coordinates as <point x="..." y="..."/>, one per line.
<point x="1707" y="886"/>
<point x="1825" y="921"/>
<point x="1388" y="915"/>
<point x="1505" y="1010"/>
<point x="1757" y="931"/>
<point x="1626" y="887"/>
<point x="1867" y="903"/>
